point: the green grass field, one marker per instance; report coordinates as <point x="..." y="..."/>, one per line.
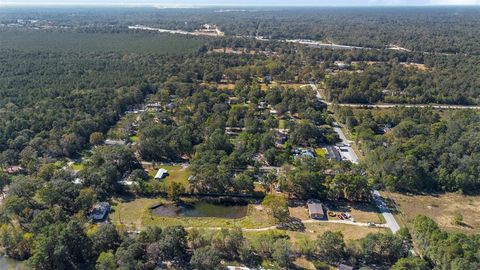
<point x="177" y="174"/>
<point x="135" y="214"/>
<point x="102" y="42"/>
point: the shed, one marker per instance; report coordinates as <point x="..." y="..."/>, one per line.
<point x="315" y="210"/>
<point x="115" y="142"/>
<point x="161" y="173"/>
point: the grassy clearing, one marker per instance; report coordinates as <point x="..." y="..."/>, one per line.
<point x="135" y="138"/>
<point x="441" y="208"/>
<point x="320" y="152"/>
<point x="313" y="230"/>
<point x="135" y="214"/>
<point x="361" y="212"/>
<point x="282" y="124"/>
<point x="177" y="174"/>
<point x="88" y="42"/>
<point x="77" y="166"/>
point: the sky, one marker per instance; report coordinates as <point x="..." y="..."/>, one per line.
<point x="193" y="3"/>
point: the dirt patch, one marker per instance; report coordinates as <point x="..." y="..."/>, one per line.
<point x="441" y="208"/>
<point x="299" y="212"/>
<point x="421" y="67"/>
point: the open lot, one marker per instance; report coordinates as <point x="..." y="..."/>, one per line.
<point x="135" y="214"/>
<point x="441" y="208"/>
<point x="361" y="212"/>
<point x="176" y="173"/>
<point x="313" y="230"/>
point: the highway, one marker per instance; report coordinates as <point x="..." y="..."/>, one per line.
<point x="356" y="105"/>
<point x="431" y="106"/>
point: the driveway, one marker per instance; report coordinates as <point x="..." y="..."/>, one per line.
<point x="382" y="206"/>
<point x="348" y="152"/>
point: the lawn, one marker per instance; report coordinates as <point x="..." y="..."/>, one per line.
<point x="134" y="138"/>
<point x="320" y="152"/>
<point x="441" y="208"/>
<point x="176" y="173"/>
<point x="282" y="124"/>
<point x="361" y="212"/>
<point x="135" y="214"/>
<point x="314" y="230"/>
<point x="77" y="166"/>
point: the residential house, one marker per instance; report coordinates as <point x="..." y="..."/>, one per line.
<point x="161" y="173"/>
<point x="100" y="211"/>
<point x="315" y="210"/>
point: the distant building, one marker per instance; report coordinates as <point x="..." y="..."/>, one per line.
<point x="161" y="173"/>
<point x="315" y="210"/>
<point x="238" y="268"/>
<point x="115" y="142"/>
<point x="383" y="128"/>
<point x="78" y="181"/>
<point x="345" y="267"/>
<point x="14" y="170"/>
<point x="153" y="106"/>
<point x="100" y="211"/>
<point x="303" y="153"/>
<point x="341" y="65"/>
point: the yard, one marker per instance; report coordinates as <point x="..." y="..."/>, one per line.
<point x="361" y="212"/>
<point x="135" y="214"/>
<point x="441" y="208"/>
<point x="176" y="173"/>
<point x="320" y="152"/>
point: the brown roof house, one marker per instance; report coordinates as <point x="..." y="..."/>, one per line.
<point x="315" y="210"/>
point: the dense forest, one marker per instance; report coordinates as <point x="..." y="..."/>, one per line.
<point x="445" y="80"/>
<point x="429" y="29"/>
<point x="90" y="110"/>
<point x="421" y="150"/>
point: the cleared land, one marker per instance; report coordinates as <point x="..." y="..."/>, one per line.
<point x="135" y="214"/>
<point x="176" y="173"/>
<point x="86" y="42"/>
<point x="361" y="212"/>
<point x="441" y="208"/>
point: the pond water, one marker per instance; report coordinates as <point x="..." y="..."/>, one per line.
<point x="10" y="264"/>
<point x="201" y="209"/>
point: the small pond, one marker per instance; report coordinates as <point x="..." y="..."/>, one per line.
<point x="201" y="209"/>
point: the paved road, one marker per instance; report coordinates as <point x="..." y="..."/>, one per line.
<point x="382" y="206"/>
<point x="432" y="106"/>
<point x="350" y="155"/>
<point x="346" y="151"/>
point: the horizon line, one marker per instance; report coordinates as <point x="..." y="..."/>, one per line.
<point x="172" y="6"/>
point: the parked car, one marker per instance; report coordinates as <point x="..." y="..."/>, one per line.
<point x="332" y="214"/>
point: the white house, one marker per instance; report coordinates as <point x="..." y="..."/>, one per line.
<point x="161" y="173"/>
